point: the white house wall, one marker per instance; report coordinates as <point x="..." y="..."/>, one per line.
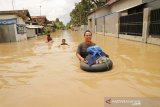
<point x="111" y="24"/>
<point x="7" y="16"/>
<point x="20" y="20"/>
<point x="100" y="24"/>
<point x="7" y="33"/>
<point x="91" y="23"/>
<point x="12" y="28"/>
<point x="20" y="37"/>
<point x="124" y="5"/>
<point x="101" y="12"/>
<point x="31" y="33"/>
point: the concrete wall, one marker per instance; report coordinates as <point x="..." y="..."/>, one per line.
<point x="108" y="24"/>
<point x="91" y="23"/>
<point x="96" y="16"/>
<point x="112" y="24"/>
<point x="76" y="28"/>
<point x="102" y="11"/>
<point x="7" y="33"/>
<point x="20" y="37"/>
<point x="83" y="28"/>
<point x="154" y="4"/>
<point x="12" y="29"/>
<point x="124" y="5"/>
<point x="147" y="1"/>
<point x="153" y="40"/>
<point x="112" y="21"/>
<point x="131" y="37"/>
<point x="149" y="38"/>
<point x="7" y="16"/>
<point x="100" y="25"/>
<point x="31" y="33"/>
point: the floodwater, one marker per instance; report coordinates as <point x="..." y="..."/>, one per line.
<point x="38" y="74"/>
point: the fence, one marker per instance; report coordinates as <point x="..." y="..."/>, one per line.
<point x="131" y="24"/>
<point x="154" y="28"/>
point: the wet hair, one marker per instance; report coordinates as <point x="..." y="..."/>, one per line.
<point x="64" y="40"/>
<point x="87" y="31"/>
<point x="48" y="34"/>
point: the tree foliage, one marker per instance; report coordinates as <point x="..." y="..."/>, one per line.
<point x="82" y="9"/>
<point x="99" y="3"/>
<point x="58" y="24"/>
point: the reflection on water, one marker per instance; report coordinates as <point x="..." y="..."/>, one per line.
<point x="37" y="74"/>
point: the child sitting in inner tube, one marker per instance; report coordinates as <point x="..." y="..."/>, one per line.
<point x="96" y="55"/>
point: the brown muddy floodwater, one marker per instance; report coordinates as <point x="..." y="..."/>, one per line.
<point x="38" y="74"/>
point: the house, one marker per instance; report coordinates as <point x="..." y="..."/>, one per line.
<point x="41" y="20"/>
<point x="33" y="30"/>
<point x="12" y="25"/>
<point x="129" y="19"/>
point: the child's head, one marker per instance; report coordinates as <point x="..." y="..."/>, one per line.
<point x="48" y="35"/>
<point x="63" y="40"/>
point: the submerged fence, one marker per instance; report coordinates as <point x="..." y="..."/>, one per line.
<point x="154" y="28"/>
<point x="131" y="24"/>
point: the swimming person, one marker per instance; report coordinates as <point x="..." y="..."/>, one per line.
<point x="49" y="39"/>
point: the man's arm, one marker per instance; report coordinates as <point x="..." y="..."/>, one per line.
<point x="79" y="56"/>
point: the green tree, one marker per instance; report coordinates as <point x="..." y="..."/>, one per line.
<point x="79" y="14"/>
<point x="99" y="3"/>
<point x="68" y="26"/>
<point x="82" y="9"/>
<point x="58" y="24"/>
<point x="46" y="30"/>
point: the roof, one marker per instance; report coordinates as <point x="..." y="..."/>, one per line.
<point x="34" y="26"/>
<point x="39" y="17"/>
<point x="21" y="13"/>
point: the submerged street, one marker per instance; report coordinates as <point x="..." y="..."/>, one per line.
<point x="38" y="74"/>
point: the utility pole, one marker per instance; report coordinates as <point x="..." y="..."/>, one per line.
<point x="40" y="10"/>
<point x="13" y="4"/>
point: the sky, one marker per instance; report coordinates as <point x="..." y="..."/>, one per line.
<point x="52" y="9"/>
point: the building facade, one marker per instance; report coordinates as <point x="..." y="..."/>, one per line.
<point x="12" y="25"/>
<point x="41" y="20"/>
<point x="129" y="19"/>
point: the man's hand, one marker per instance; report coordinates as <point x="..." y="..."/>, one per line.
<point x="83" y="60"/>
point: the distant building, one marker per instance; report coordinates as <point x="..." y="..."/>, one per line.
<point x="12" y="25"/>
<point x="33" y="30"/>
<point x="52" y="25"/>
<point x="129" y="19"/>
<point x="41" y="20"/>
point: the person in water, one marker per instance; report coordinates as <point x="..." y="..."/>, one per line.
<point x="82" y="53"/>
<point x="49" y="39"/>
<point x="82" y="47"/>
<point x="64" y="42"/>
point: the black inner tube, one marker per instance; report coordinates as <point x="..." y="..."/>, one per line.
<point x="97" y="67"/>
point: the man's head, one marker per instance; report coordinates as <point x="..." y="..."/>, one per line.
<point x="88" y="35"/>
